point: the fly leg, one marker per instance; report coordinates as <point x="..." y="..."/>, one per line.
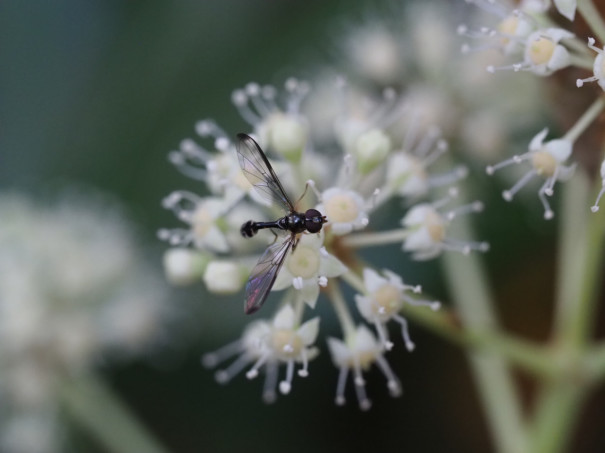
<point x="275" y="238"/>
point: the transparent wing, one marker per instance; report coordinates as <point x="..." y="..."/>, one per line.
<point x="264" y="274"/>
<point x="258" y="170"/>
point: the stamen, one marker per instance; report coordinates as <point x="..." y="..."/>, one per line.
<point x="509" y="194"/>
<point x="432" y="304"/>
<point x="212" y="359"/>
<point x="269" y="395"/>
<point x="476" y="206"/>
<point x="175" y="236"/>
<point x="304" y="371"/>
<point x="240" y="100"/>
<point x="340" y="386"/>
<point x="286" y="385"/>
<point x="595" y="208"/>
<point x="224" y="376"/>
<point x="393" y="383"/>
<point x="253" y="372"/>
<point x="409" y="344"/>
<point x="362" y="398"/>
<point x="465" y="247"/>
<point x="490" y="169"/>
<point x="383" y="334"/>
<point x="548" y="213"/>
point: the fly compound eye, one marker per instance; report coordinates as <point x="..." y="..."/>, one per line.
<point x="313" y="221"/>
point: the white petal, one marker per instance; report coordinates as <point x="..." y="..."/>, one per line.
<point x="330" y="266"/>
<point x="536" y="142"/>
<point x="310" y="292"/>
<point x="339" y="351"/>
<point x="560" y="59"/>
<point x="372" y="280"/>
<point x="283" y="279"/>
<point x="559" y="149"/>
<point x="284" y="319"/>
<point x="215" y="240"/>
<point x="364" y="305"/>
<point x="419" y="240"/>
<point x="365" y="340"/>
<point x="567" y="8"/>
<point x="314" y="241"/>
<point x="556" y="34"/>
<point x="309" y="330"/>
<point x="341" y="228"/>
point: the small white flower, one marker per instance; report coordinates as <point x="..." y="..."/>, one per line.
<point x="383" y="302"/>
<point x="279" y="127"/>
<point x="543" y="52"/>
<point x="427" y="231"/>
<point x="508" y="35"/>
<point x="286" y="134"/>
<point x="374" y="52"/>
<point x="308" y="268"/>
<point x="546" y="159"/>
<point x="407" y="169"/>
<point x="370" y="149"/>
<point x="344" y="209"/>
<point x="224" y="277"/>
<point x="204" y="216"/>
<point x="598" y="67"/>
<point x="357" y="353"/>
<point x="267" y="344"/>
<point x="184" y="266"/>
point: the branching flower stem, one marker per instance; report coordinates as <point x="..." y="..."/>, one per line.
<point x="580" y="266"/>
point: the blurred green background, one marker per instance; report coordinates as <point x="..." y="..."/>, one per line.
<point x="95" y="93"/>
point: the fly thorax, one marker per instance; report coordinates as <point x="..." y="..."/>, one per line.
<point x="296" y="222"/>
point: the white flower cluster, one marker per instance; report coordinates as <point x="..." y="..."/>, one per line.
<point x="363" y="166"/>
<point x="73" y="290"/>
<point x="527" y="31"/>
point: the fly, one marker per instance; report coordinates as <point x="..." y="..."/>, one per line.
<point x="261" y="175"/>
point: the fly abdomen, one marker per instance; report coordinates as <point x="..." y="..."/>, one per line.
<point x="250" y="228"/>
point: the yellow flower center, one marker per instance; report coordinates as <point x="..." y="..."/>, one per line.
<point x="387" y="301"/>
<point x="508" y="27"/>
<point x="365" y="359"/>
<point x="544" y="163"/>
<point x="541" y="50"/>
<point x="286" y="343"/>
<point x="201" y="222"/>
<point x="435" y="226"/>
<point x="341" y="209"/>
<point x="304" y="262"/>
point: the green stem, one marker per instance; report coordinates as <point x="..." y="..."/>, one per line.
<point x="97" y="409"/>
<point x="527" y="356"/>
<point x="585" y="120"/>
<point x="579" y="267"/>
<point x="595" y="363"/>
<point x="559" y="404"/>
<point x="592" y="17"/>
<point x="371" y="239"/>
<point x="468" y="285"/>
<point x="580" y="263"/>
<point x="342" y="311"/>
